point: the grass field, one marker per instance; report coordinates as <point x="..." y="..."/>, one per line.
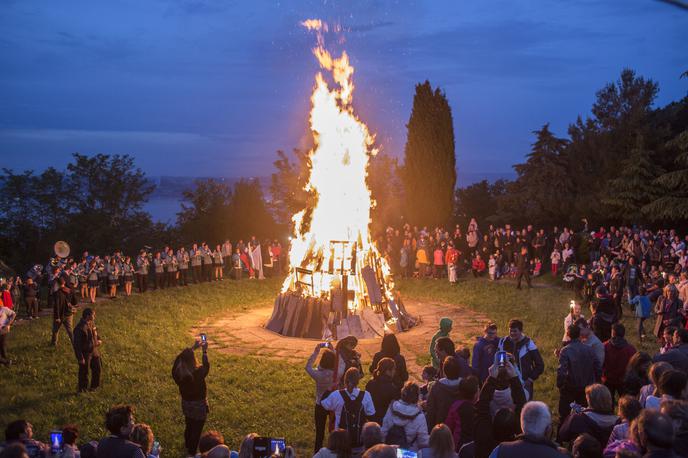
<point x="143" y="334"/>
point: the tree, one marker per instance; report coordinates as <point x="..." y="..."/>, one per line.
<point x="429" y="171"/>
<point x="672" y="203"/>
<point x="385" y="185"/>
<point x="287" y="185"/>
<point x="204" y="211"/>
<point x="634" y="188"/>
<point x="479" y="201"/>
<point x="249" y="213"/>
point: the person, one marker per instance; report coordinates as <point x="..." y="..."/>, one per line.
<point x="63" y="310"/>
<point x="656" y="434"/>
<point x="528" y="359"/>
<point x="20" y="432"/>
<point x="218" y="261"/>
<point x="246" y="447"/>
<point x="172" y="268"/>
<point x="461" y="414"/>
<point x="445" y="347"/>
<point x="523" y="267"/>
<point x="323" y="377"/>
<point x="577" y="369"/>
<point x="642" y="308"/>
<point x="127" y="275"/>
<point x="589" y="338"/>
<point x="371" y="435"/>
<point x="226" y="256"/>
<point x="628" y="410"/>
<point x="428" y="375"/>
<point x="190" y="378"/>
<point x="142" y="435"/>
<point x="671" y="385"/>
<point x="438" y="265"/>
<point x="347" y="357"/>
<point x="678" y="412"/>
<point x="70" y="433"/>
<point x="443" y="331"/>
<point x="380" y="451"/>
<point x="654" y="374"/>
<point x="142" y="271"/>
<point x="598" y="419"/>
<point x="351" y="406"/>
<point x="159" y="270"/>
<point x="86" y="343"/>
<point x="207" y="262"/>
<point x="452" y="258"/>
<point x="536" y="423"/>
<point x="382" y="388"/>
<point x="338" y="446"/>
<point x="604" y="314"/>
<point x="390" y="349"/>
<point x="443" y="393"/>
<point x="237" y="268"/>
<point x="484" y="350"/>
<point x="586" y="446"/>
<point x="112" y="277"/>
<point x="196" y="263"/>
<point x="677" y="356"/>
<point x="440" y="444"/>
<point x="636" y="373"/>
<point x="617" y="355"/>
<point x="31" y="298"/>
<point x="478" y="266"/>
<point x="92" y="277"/>
<point x="183" y="263"/>
<point x="575" y="313"/>
<point x="555" y="258"/>
<point x="667" y="310"/>
<point x="7" y="317"/>
<point x="210" y="440"/>
<point x="404" y="423"/>
<point x="119" y="421"/>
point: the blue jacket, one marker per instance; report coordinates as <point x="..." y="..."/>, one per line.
<point x="483" y="356"/>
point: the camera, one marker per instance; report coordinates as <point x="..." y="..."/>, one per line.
<point x="265" y="447"/>
<point x="204" y="339"/>
<point x="502" y="358"/>
<point x="56" y="442"/>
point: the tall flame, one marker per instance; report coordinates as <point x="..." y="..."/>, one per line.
<point x="339" y="167"/>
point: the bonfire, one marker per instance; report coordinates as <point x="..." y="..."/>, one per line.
<point x="339" y="284"/>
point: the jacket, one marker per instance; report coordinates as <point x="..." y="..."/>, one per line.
<point x="483" y="356"/>
<point x="528" y="358"/>
<point x="411" y="418"/>
<point x="442" y="394"/>
<point x="483" y="432"/>
<point x="461" y="421"/>
<point x="617" y="353"/>
<point x="85" y="339"/>
<point x="400" y="374"/>
<point x="383" y="390"/>
<point x="677" y="357"/>
<point x="445" y="327"/>
<point x="578" y="366"/>
<point x="65" y="301"/>
<point x="598" y="425"/>
<point x="530" y="447"/>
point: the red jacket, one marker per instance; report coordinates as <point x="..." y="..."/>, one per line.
<point x="478" y="264"/>
<point x="7" y="299"/>
<point x="617" y="353"/>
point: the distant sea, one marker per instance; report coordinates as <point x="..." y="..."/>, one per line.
<point x="166" y="200"/>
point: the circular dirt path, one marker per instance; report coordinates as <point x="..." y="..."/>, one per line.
<point x="243" y="333"/>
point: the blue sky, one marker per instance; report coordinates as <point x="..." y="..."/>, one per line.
<point x="214" y="88"/>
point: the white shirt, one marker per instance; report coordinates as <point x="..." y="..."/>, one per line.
<point x="7" y="316"/>
<point x="335" y="402"/>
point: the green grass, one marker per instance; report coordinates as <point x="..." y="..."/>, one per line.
<point x="143" y="334"/>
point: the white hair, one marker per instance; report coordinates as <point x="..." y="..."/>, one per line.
<point x="535" y="418"/>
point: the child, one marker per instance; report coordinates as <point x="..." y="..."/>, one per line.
<point x="429" y="375"/>
<point x="555" y="257"/>
<point x="538" y="267"/>
<point x="512" y="270"/>
<point x="492" y="267"/>
<point x="643" y="309"/>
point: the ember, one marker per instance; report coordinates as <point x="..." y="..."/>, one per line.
<point x="339" y="283"/>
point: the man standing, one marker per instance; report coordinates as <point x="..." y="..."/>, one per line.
<point x="142" y="271"/>
<point x="7" y="317"/>
<point x="31" y="298"/>
<point x="522" y="266"/>
<point x="528" y="359"/>
<point x="577" y="369"/>
<point x="183" y="262"/>
<point x="484" y="350"/>
<point x="86" y="343"/>
<point x="63" y="309"/>
<point x="617" y="353"/>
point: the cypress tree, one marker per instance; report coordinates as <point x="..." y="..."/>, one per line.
<point x="672" y="205"/>
<point x="429" y="172"/>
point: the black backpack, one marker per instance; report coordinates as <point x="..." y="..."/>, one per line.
<point x="352" y="416"/>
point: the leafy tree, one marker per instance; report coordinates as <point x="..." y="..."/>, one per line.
<point x="205" y="211"/>
<point x="249" y="212"/>
<point x="386" y="188"/>
<point x="634" y="187"/>
<point x="672" y="203"/>
<point x="429" y="172"/>
<point x="287" y="185"/>
<point x="480" y="201"/>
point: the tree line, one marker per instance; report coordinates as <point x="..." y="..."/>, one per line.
<point x="625" y="163"/>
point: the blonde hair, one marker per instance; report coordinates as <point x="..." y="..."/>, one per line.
<point x="246" y="448"/>
<point x="599" y="398"/>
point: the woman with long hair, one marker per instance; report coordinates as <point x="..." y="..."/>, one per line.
<point x="128" y="272"/>
<point x="190" y="378"/>
<point x="441" y="444"/>
<point x="323" y="376"/>
<point x="390" y="349"/>
<point x="636" y="373"/>
<point x="382" y="388"/>
<point x="338" y="446"/>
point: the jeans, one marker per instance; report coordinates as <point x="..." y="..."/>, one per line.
<point x="68" y="323"/>
<point x="92" y="362"/>
<point x="566" y="397"/>
<point x="321" y="416"/>
<point x="192" y="434"/>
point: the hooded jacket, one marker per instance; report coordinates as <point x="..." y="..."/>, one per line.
<point x="442" y="394"/>
<point x="411" y="418"/>
<point x="445" y="327"/>
<point x="483" y="356"/>
<point x="528" y="358"/>
<point x="65" y="301"/>
<point x="598" y="425"/>
<point x="383" y="390"/>
<point x="617" y="353"/>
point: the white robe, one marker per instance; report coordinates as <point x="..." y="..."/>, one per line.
<point x="257" y="261"/>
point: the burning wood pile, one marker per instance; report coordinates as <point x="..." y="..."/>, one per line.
<point x="339" y="283"/>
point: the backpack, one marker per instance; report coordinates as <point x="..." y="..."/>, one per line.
<point x="453" y="420"/>
<point x="397" y="433"/>
<point x="352" y="416"/>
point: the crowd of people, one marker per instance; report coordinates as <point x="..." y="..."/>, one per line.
<point x="614" y="401"/>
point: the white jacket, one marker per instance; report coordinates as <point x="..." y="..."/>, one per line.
<point x="416" y="428"/>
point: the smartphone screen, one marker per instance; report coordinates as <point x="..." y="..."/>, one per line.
<point x="55" y="441"/>
<point x="403" y="453"/>
<point x="277" y="446"/>
<point x="501" y="358"/>
<point x="204" y="338"/>
<point x="155" y="451"/>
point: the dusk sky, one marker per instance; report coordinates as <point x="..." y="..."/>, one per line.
<point x="214" y="88"/>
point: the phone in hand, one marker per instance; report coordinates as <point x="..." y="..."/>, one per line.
<point x="56" y="442"/>
<point x="404" y="453"/>
<point x="502" y="358"/>
<point x="204" y="339"/>
<point x="155" y="451"/>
